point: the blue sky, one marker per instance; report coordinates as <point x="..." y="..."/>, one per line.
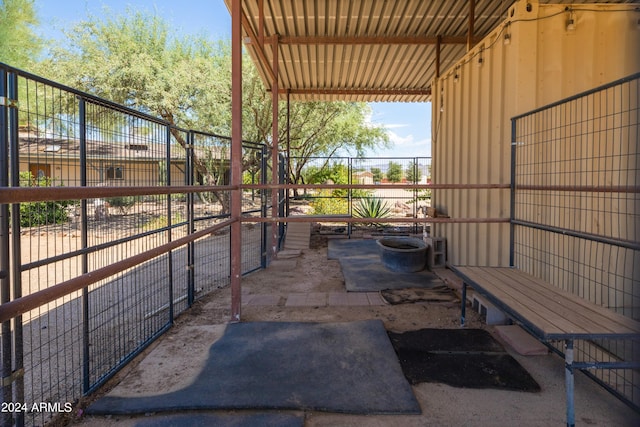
<point x="408" y="124"/>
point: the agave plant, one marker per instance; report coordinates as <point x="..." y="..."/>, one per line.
<point x="371" y="207"/>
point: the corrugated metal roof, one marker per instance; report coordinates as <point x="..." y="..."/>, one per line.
<point x="364" y="50"/>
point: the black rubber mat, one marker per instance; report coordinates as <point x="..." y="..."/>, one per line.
<point x="468" y="358"/>
<point x="339" y="248"/>
<point x="222" y="420"/>
<point x="334" y="367"/>
<point x="363" y="271"/>
<point x="437" y="294"/>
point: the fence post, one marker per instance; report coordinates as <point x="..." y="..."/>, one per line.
<point x="264" y="207"/>
<point x="512" y="203"/>
<point x="190" y="220"/>
<point x="84" y="233"/>
<point x="169" y="228"/>
<point x="18" y="350"/>
<point x="415" y="193"/>
<point x="5" y="284"/>
<point x="281" y="202"/>
<point x="350" y="194"/>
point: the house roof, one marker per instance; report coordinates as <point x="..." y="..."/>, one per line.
<point x="31" y="146"/>
<point x="365" y="50"/>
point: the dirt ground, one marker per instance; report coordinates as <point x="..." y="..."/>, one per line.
<point x="176" y="358"/>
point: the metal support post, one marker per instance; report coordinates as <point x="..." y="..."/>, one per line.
<point x="169" y="228"/>
<point x="5" y="279"/>
<point x="264" y="206"/>
<point x="18" y="350"/>
<point x="235" y="266"/>
<point x="190" y="221"/>
<point x="86" y="356"/>
<point x="568" y="377"/>
<point x="463" y="308"/>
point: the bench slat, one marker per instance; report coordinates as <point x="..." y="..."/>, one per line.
<point x="528" y="306"/>
<point x="615" y="321"/>
<point x="560" y="307"/>
<point x="555" y="313"/>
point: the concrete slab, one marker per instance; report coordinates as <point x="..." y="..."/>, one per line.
<point x="518" y="339"/>
<point x="298" y="235"/>
<point x="261" y="299"/>
<point x="289" y="253"/>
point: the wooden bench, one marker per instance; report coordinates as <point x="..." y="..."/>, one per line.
<point x="550" y="314"/>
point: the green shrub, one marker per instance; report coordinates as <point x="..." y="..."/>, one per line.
<point x="326" y="203"/>
<point x="33" y="214"/>
<point x="371" y="207"/>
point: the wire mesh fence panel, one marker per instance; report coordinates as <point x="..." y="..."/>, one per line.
<point x="59" y="137"/>
<point x="383" y="200"/>
<point x="46" y="243"/>
<point x="576" y="209"/>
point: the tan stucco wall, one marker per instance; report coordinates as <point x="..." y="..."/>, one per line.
<point x="473" y="104"/>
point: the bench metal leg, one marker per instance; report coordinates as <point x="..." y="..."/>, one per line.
<point x="463" y="309"/>
<point x="568" y="377"/>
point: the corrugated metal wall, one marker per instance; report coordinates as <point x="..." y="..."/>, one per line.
<point x="473" y="102"/>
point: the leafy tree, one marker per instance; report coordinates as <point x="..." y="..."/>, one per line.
<point x="135" y="60"/>
<point x="394" y="172"/>
<point x="413" y="172"/>
<point x="19" y="45"/>
<point x="377" y="174"/>
<point x="317" y="129"/>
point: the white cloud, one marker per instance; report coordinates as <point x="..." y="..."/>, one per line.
<point x="396" y="125"/>
<point x="406" y="146"/>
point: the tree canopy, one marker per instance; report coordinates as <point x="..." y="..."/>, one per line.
<point x="19" y="44"/>
<point x="136" y="60"/>
<point x="394" y="172"/>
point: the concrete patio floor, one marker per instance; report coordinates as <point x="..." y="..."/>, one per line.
<point x="310" y="288"/>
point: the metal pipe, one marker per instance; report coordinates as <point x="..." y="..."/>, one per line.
<point x="236" y="158"/>
<point x="84" y="233"/>
<point x="18" y="195"/>
<point x="376" y="186"/>
<point x="618" y="82"/>
<point x="472" y="18"/>
<point x="633" y="189"/>
<point x="37" y="194"/>
<point x="512" y="195"/>
<point x="348" y="219"/>
<point x="274" y="146"/>
<point x="463" y="308"/>
<point x="438" y="49"/>
<point x="18" y="350"/>
<point x="568" y="372"/>
<point x="169" y="224"/>
<point x="288" y="175"/>
<point x="189" y="178"/>
<point x="264" y="208"/>
<point x="628" y="244"/>
<point x="18" y="306"/>
<point x="5" y="243"/>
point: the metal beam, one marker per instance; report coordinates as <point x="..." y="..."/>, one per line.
<point x="258" y="47"/>
<point x="416" y="92"/>
<point x="365" y="40"/>
<point x="472" y="19"/>
<point x="438" y="49"/>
